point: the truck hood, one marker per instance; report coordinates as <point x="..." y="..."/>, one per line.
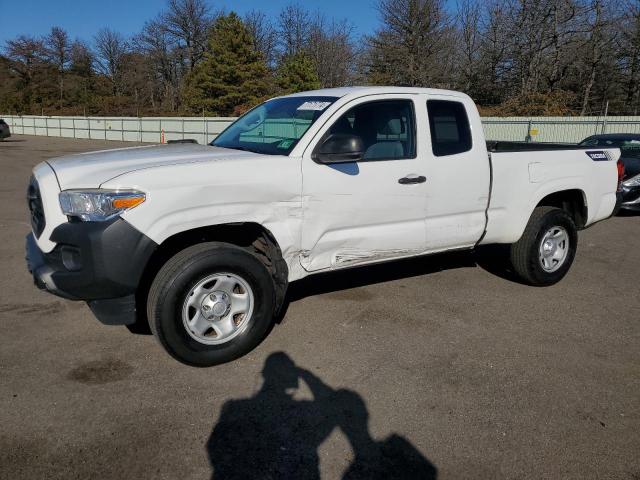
<point x="92" y="169"/>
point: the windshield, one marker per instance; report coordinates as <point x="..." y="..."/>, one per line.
<point x="274" y="127"/>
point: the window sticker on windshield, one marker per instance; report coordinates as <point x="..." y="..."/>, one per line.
<point x="314" y="106"/>
<point x="284" y="144"/>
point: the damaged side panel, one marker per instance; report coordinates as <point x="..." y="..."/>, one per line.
<point x="214" y="194"/>
<point x="360" y="218"/>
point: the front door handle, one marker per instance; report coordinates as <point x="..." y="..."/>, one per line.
<point x="411" y="179"/>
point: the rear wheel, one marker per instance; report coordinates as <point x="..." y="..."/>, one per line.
<point x="211" y="303"/>
<point x="547" y="248"/>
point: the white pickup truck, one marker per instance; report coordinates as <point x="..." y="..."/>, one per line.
<point x="201" y="241"/>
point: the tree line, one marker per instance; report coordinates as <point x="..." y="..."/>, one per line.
<point x="514" y="57"/>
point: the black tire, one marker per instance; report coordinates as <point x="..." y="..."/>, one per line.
<point x="525" y="253"/>
<point x="175" y="280"/>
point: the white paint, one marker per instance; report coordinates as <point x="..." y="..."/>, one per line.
<point x="515" y="194"/>
<point x="53" y="215"/>
<point x="329" y="217"/>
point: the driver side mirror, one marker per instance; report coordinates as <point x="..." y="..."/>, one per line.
<point x="339" y="148"/>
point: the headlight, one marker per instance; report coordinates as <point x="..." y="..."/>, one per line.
<point x="98" y="205"/>
<point x="632" y="182"/>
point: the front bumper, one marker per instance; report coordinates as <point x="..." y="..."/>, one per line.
<point x="98" y="262"/>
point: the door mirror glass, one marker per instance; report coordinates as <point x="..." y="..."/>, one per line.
<point x="339" y="148"/>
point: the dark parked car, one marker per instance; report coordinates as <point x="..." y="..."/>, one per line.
<point x="4" y="130"/>
<point x="629" y="145"/>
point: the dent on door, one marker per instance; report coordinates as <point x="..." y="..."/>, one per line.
<point x="346" y="222"/>
<point x="374" y="209"/>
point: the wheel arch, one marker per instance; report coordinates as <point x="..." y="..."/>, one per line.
<point x="249" y="235"/>
<point x="573" y="201"/>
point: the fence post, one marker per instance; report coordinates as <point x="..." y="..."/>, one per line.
<point x="46" y="126"/>
<point x="604" y="120"/>
<point x="528" y="137"/>
<point x="88" y="126"/>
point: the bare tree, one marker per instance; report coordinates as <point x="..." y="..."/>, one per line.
<point x="111" y="47"/>
<point x="294" y="26"/>
<point x="58" y="49"/>
<point x="494" y="61"/>
<point x="469" y="42"/>
<point x="512" y="56"/>
<point x="543" y="32"/>
<point x="263" y="33"/>
<point x="630" y="53"/>
<point x="598" y="43"/>
<point x="333" y="51"/>
<point x="188" y="22"/>
<point x="413" y="47"/>
<point x="81" y="69"/>
<point x="25" y="53"/>
<point x="155" y="43"/>
<point x="26" y="58"/>
<point x="80" y="59"/>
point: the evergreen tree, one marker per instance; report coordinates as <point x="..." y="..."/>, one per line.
<point x="297" y="73"/>
<point x="233" y="75"/>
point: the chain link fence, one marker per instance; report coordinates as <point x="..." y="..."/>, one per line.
<point x="556" y="129"/>
<point x="127" y="129"/>
<point x="205" y="129"/>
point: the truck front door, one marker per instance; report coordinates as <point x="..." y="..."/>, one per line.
<point x="373" y="209"/>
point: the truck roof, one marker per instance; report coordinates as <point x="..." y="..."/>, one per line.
<point x="366" y="90"/>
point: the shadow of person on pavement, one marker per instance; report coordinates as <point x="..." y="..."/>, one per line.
<point x="274" y="436"/>
<point x="393" y="457"/>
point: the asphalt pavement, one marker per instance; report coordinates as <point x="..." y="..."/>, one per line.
<point x="435" y="367"/>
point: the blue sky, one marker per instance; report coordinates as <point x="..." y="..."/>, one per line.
<point x="82" y="18"/>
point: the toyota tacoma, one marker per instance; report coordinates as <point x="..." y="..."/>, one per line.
<point x="201" y="241"/>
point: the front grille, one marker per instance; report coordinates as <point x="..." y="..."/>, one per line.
<point x="34" y="200"/>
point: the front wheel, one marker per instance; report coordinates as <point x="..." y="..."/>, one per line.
<point x="211" y="303"/>
<point x="547" y="248"/>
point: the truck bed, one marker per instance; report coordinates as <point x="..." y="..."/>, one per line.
<point x="522" y="178"/>
<point x="504" y="146"/>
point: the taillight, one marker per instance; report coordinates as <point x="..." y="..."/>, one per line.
<point x="620" y="173"/>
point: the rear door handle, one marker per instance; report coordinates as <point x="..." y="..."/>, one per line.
<point x="411" y="179"/>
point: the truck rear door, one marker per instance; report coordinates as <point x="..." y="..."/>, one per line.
<point x="458" y="173"/>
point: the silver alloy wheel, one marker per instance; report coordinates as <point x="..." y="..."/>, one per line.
<point x="554" y="249"/>
<point x="218" y="308"/>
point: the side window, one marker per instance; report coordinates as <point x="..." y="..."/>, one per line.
<point x="449" y="125"/>
<point x="387" y="128"/>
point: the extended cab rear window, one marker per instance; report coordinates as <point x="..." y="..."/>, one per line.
<point x="449" y="125"/>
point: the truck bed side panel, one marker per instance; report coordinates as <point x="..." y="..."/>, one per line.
<point x="522" y="179"/>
